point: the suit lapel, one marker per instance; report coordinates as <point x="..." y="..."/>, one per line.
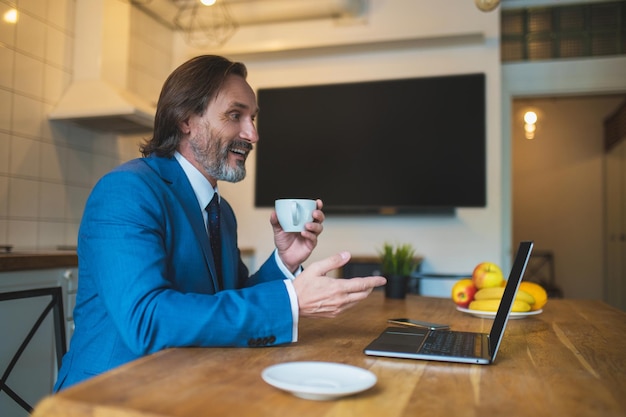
<point x="171" y="172"/>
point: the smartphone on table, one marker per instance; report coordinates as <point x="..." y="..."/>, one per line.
<point x="419" y="323"/>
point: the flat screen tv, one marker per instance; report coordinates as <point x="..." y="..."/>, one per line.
<point x="391" y="146"/>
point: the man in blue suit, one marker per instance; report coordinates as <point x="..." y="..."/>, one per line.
<point x="148" y="279"/>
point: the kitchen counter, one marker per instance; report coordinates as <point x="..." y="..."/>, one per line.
<point x="29" y="260"/>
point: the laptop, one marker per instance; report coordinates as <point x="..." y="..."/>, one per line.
<point x="449" y="345"/>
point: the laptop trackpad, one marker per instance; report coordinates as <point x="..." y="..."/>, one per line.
<point x="400" y="339"/>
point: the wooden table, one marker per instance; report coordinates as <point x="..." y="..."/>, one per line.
<point x="568" y="361"/>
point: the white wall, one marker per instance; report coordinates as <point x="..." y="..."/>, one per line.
<point x="401" y="38"/>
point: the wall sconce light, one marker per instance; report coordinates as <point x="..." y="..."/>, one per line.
<point x="530" y="124"/>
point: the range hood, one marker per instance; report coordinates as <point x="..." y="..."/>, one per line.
<point x="98" y="97"/>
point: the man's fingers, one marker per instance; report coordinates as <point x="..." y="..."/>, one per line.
<point x="322" y="296"/>
<point x="364" y="284"/>
<point x="328" y="264"/>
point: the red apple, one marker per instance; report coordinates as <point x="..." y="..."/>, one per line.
<point x="486" y="275"/>
<point x="463" y="292"/>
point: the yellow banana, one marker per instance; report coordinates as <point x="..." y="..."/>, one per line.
<point x="525" y="296"/>
<point x="489" y="293"/>
<point x="495" y="293"/>
<point x="492" y="305"/>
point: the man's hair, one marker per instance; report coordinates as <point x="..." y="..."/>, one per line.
<point x="187" y="91"/>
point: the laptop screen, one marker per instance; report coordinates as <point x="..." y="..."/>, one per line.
<point x="517" y="272"/>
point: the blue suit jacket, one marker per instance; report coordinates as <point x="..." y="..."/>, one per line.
<point x="147" y="277"/>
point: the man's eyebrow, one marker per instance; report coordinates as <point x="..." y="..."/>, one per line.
<point x="239" y="105"/>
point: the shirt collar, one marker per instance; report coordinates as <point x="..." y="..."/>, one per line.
<point x="201" y="186"/>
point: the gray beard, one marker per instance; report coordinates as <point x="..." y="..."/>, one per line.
<point x="214" y="160"/>
<point x="224" y="172"/>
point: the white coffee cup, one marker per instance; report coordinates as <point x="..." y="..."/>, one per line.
<point x="294" y="213"/>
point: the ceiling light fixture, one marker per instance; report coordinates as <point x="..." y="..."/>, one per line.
<point x="205" y="26"/>
<point x="211" y="23"/>
<point x="486" y="5"/>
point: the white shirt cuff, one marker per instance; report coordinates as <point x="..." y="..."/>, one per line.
<point x="293" y="297"/>
<point x="284" y="269"/>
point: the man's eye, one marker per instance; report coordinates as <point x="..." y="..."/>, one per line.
<point x="235" y="116"/>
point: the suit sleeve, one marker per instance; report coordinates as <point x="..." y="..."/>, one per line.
<point x="143" y="276"/>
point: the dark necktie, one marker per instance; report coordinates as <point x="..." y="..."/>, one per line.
<point x="215" y="236"/>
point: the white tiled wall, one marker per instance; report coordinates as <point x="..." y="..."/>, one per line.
<point x="48" y="169"/>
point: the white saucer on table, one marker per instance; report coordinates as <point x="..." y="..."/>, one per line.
<point x="319" y="380"/>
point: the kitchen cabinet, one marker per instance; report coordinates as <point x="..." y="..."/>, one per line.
<point x="35" y="372"/>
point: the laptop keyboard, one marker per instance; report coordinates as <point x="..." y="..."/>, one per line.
<point x="450" y="344"/>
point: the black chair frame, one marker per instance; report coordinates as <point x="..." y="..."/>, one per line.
<point x="56" y="306"/>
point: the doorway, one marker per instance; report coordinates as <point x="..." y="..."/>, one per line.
<point x="558" y="186"/>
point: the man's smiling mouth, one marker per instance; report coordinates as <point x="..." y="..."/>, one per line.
<point x="241" y="148"/>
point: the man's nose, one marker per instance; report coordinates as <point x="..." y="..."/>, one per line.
<point x="250" y="133"/>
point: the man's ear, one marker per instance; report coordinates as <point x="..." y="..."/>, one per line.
<point x="184" y="126"/>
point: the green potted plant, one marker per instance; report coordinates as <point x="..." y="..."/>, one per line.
<point x="397" y="264"/>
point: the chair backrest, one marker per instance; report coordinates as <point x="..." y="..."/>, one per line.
<point x="55" y="305"/>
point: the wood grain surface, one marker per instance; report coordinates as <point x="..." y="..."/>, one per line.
<point x="568" y="361"/>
